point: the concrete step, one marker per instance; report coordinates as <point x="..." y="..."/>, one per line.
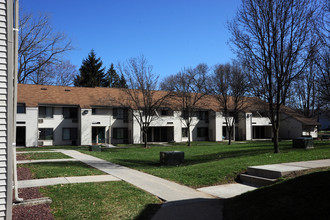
<point x="266" y="173"/>
<point x="256" y="180"/>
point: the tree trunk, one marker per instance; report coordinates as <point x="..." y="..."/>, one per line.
<point x="189" y="140"/>
<point x="230" y="130"/>
<point x="276" y="147"/>
<point x="145" y="134"/>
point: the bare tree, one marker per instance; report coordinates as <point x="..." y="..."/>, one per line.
<point x="323" y="54"/>
<point x="189" y="88"/>
<point x="41" y="76"/>
<point x="142" y="98"/>
<point x="39" y="45"/>
<point x="229" y="86"/>
<point x="59" y="74"/>
<point x="305" y="95"/>
<point x="272" y="39"/>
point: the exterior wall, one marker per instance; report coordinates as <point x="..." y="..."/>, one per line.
<point x="244" y="126"/>
<point x="136" y="130"/>
<point x="57" y="123"/>
<point x="292" y="128"/>
<point x="212" y="126"/>
<point x="7" y="113"/>
<point x="177" y="123"/>
<point x="218" y="122"/>
<point x="310" y="130"/>
<point x="85" y="127"/>
<point x="30" y="119"/>
<point x="102" y="118"/>
<point x="170" y="121"/>
<point x="262" y="121"/>
<point x="289" y="127"/>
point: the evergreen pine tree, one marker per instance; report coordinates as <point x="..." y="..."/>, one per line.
<point x="123" y="83"/>
<point x="113" y="80"/>
<point x="91" y="72"/>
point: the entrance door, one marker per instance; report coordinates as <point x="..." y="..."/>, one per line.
<point x="20" y="136"/>
<point x="98" y="135"/>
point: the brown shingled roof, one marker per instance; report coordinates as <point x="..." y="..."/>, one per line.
<point x="34" y="95"/>
<point x="299" y="117"/>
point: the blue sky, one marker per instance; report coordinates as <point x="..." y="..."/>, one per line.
<point x="171" y="34"/>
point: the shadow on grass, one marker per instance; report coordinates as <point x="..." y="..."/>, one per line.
<point x="148" y="212"/>
<point x="191" y="159"/>
<point x="196" y="159"/>
<point x="305" y="197"/>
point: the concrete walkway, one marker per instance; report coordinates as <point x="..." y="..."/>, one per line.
<point x="46" y="161"/>
<point x="164" y="189"/>
<point x="30" y="152"/>
<point x="65" y="180"/>
<point x="227" y="190"/>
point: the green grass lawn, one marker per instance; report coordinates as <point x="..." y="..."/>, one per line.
<point x="42" y="156"/>
<point x="111" y="200"/>
<point x="209" y="163"/>
<point x="305" y="197"/>
<point x="60" y="169"/>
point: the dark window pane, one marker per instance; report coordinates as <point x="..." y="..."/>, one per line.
<point x="70" y="113"/>
<point x="184" y="132"/>
<point x="20" y="108"/>
<point x="202" y="132"/>
<point x="120" y="133"/>
<point x="45" y="134"/>
<point x="45" y="112"/>
<point x="69" y="133"/>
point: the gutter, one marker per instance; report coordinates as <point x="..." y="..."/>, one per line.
<point x="15" y="30"/>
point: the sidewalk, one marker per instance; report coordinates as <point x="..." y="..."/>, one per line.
<point x="65" y="180"/>
<point x="164" y="189"/>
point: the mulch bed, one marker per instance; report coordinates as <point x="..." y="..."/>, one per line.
<point x="37" y="212"/>
<point x="21" y="157"/>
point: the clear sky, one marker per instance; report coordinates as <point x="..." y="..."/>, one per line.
<point x="171" y="34"/>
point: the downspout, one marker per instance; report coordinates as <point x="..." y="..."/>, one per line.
<point x="15" y="30"/>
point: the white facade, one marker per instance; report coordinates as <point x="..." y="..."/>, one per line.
<point x="99" y="125"/>
<point x="29" y="121"/>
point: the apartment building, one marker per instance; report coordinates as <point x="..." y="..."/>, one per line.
<point x="56" y="115"/>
